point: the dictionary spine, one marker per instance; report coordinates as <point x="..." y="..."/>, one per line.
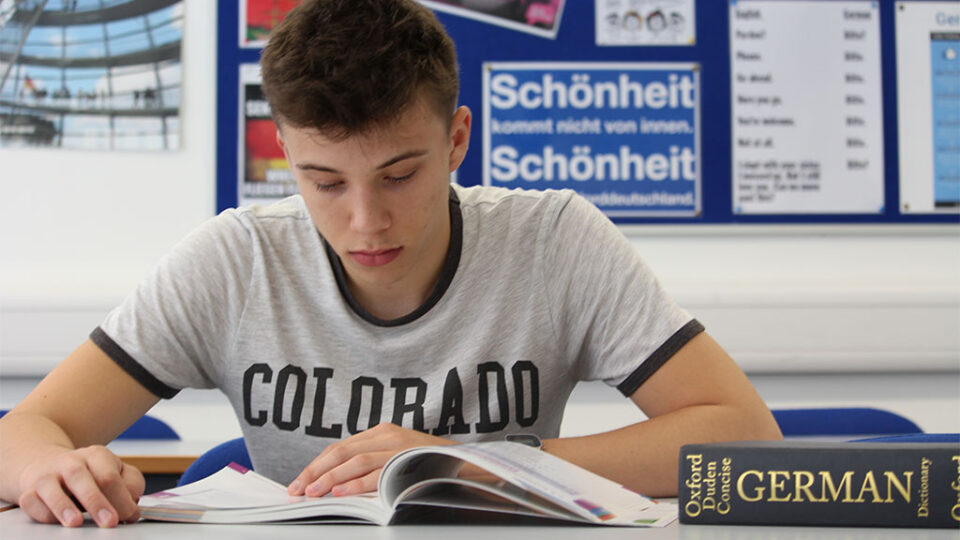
<point x="808" y="483"/>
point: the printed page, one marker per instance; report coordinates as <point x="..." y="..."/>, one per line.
<point x="589" y="496"/>
<point x="230" y="487"/>
<point x="806" y="105"/>
<point x="238" y="495"/>
<point x="498" y="496"/>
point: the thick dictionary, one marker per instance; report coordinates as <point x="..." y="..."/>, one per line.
<point x="821" y="483"/>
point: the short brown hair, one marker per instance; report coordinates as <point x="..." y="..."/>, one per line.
<point x="346" y="66"/>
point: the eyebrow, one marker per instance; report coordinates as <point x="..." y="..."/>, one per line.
<point x="384" y="165"/>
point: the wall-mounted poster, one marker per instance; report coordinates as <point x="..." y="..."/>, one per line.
<point x="259" y="17"/>
<point x="928" y="110"/>
<point x="264" y="175"/>
<point x="645" y="22"/>
<point x="623" y="135"/>
<point x="806" y="107"/>
<point x="79" y="76"/>
<point x="540" y="17"/>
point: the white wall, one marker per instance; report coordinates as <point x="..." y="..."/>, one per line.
<point x="81" y="227"/>
<point x="817" y="315"/>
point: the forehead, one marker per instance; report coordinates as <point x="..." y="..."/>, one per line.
<point x="416" y="124"/>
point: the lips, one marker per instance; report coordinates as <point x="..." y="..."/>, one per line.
<point x="378" y="257"/>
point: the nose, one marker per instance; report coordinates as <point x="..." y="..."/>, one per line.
<point x="370" y="213"/>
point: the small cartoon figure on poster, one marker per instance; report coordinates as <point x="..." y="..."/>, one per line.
<point x="645" y="22"/>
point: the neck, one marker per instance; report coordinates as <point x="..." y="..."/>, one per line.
<point x="394" y="300"/>
<point x="391" y="301"/>
<point x="418" y="288"/>
<point x="389" y="305"/>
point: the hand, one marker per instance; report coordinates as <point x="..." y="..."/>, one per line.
<point x="353" y="465"/>
<point x="93" y="476"/>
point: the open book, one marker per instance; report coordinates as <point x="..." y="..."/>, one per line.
<point x="522" y="480"/>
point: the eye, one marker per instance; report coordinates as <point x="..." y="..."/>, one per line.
<point x="401" y="179"/>
<point x="327" y="187"/>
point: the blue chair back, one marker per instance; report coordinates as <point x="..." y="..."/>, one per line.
<point x="845" y="421"/>
<point x="146" y="427"/>
<point x="917" y="437"/>
<point x="218" y="457"/>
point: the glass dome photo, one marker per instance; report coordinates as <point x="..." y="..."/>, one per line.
<point x="90" y="74"/>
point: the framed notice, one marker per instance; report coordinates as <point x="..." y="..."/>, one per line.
<point x="264" y="175"/>
<point x="540" y="17"/>
<point x="623" y="135"/>
<point x="645" y="22"/>
<point x="259" y="17"/>
<point x="928" y="111"/>
<point x="806" y="107"/>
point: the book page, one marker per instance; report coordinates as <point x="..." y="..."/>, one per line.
<point x="591" y="497"/>
<point x="238" y="495"/>
<point x="227" y="488"/>
<point x="497" y="496"/>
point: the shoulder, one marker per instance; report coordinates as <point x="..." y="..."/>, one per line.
<point x="237" y="234"/>
<point x="291" y="209"/>
<point x="554" y="211"/>
<point x="484" y="202"/>
<point x="261" y="222"/>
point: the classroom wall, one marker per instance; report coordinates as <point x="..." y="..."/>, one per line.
<point x="816" y="314"/>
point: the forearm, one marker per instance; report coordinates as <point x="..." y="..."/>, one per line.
<point x="643" y="456"/>
<point x="24" y="438"/>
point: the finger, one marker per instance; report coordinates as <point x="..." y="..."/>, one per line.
<point x="106" y="470"/>
<point x="356" y="467"/>
<point x="35" y="508"/>
<point x="133" y="479"/>
<point x="331" y="457"/>
<point x="79" y="481"/>
<point x="52" y="495"/>
<point x="363" y="484"/>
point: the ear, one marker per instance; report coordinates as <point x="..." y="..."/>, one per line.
<point x="280" y="141"/>
<point x="459" y="136"/>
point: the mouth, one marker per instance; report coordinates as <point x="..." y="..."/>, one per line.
<point x="377" y="257"/>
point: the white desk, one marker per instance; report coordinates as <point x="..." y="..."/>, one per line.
<point x="15" y="525"/>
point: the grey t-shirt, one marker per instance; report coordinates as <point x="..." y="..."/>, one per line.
<point x="539" y="290"/>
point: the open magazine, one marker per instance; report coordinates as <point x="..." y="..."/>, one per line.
<point x="522" y="480"/>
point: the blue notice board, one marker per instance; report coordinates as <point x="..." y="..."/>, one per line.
<point x="676" y="168"/>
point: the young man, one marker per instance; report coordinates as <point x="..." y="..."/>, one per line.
<point x="382" y="308"/>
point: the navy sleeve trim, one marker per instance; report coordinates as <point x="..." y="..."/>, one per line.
<point x="660" y="357"/>
<point x="131" y="366"/>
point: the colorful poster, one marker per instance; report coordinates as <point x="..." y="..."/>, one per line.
<point x="623" y="135"/>
<point x="540" y="17"/>
<point x="264" y="175"/>
<point x="259" y="17"/>
<point x="84" y="78"/>
<point x="645" y="22"/>
<point x="806" y="107"/>
<point x="928" y="109"/>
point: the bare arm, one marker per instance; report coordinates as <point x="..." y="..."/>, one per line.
<point x="50" y="443"/>
<point x="699" y="395"/>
